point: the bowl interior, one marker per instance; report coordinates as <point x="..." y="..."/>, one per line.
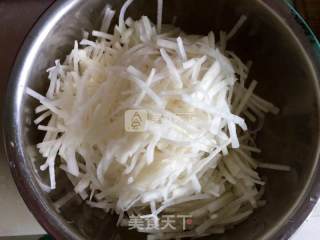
<point x="285" y="78"/>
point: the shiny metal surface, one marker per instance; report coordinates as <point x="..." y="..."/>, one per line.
<point x="17" y="18"/>
<point x="285" y="64"/>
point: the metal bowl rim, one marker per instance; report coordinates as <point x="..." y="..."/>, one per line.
<point x="35" y="198"/>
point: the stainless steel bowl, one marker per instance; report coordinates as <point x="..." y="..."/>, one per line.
<point x="285" y="64"/>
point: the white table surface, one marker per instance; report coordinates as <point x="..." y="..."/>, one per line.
<point x="15" y="218"/>
<point x="310" y="229"/>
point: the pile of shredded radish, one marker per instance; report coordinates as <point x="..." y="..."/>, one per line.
<point x="202" y="166"/>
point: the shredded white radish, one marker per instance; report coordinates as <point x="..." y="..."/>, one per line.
<point x="194" y="154"/>
<point x="107" y="19"/>
<point x="122" y="14"/>
<point x="104" y="35"/>
<point x="236" y="27"/>
<point x="273" y="166"/>
<point x="62" y="201"/>
<point x="159" y="15"/>
<point x="171" y="67"/>
<point x="182" y="50"/>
